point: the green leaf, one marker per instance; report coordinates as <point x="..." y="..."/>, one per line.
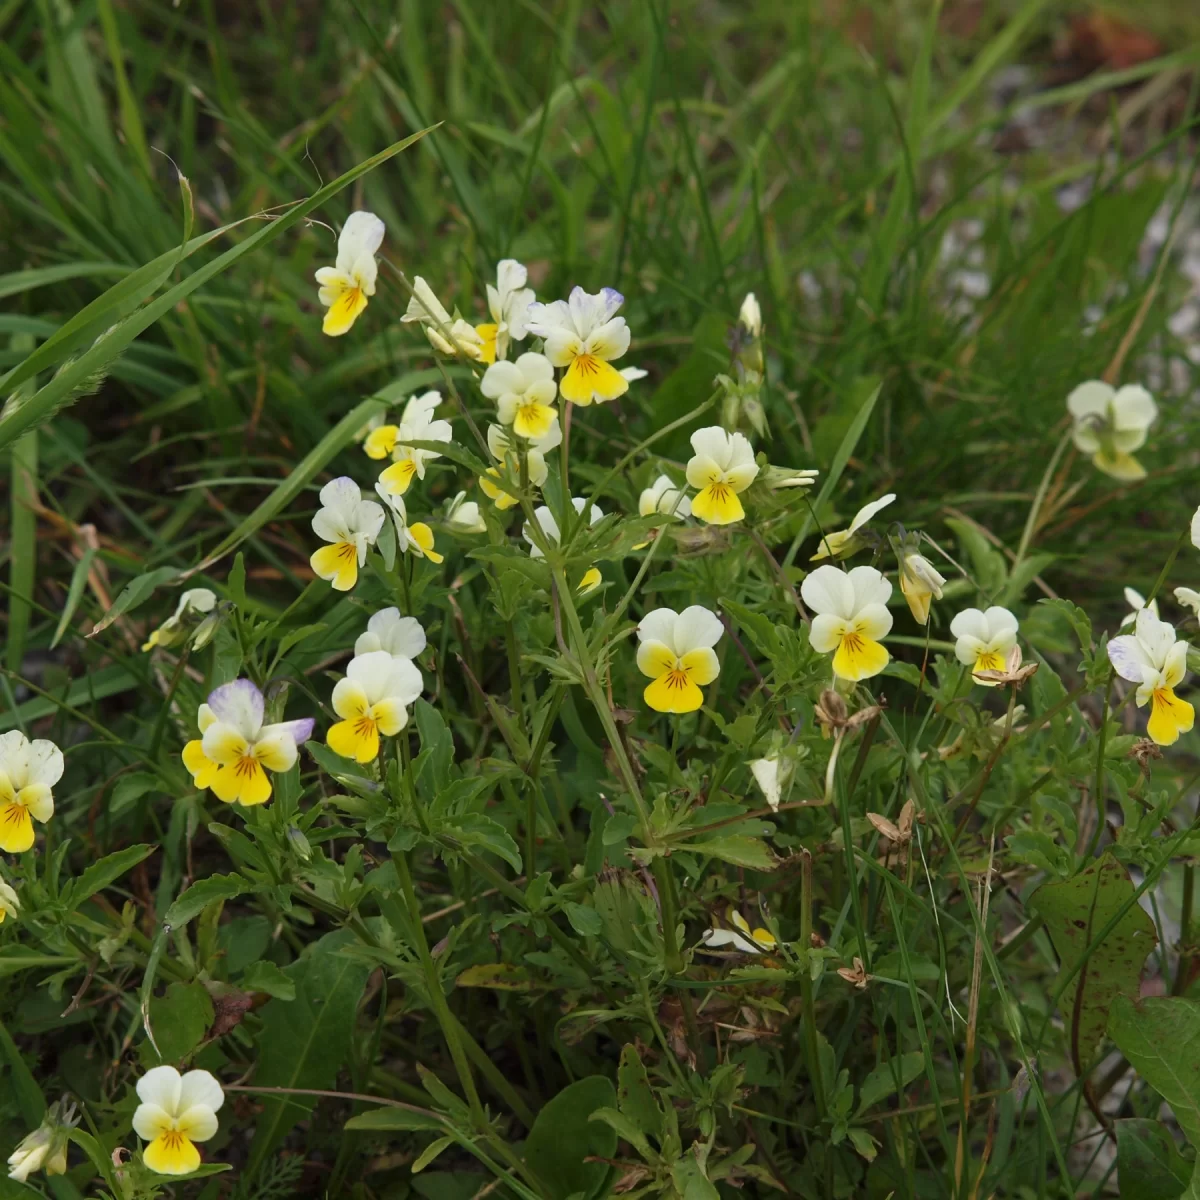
<point x="882" y="1082"/>
<point x="869" y="387"/>
<point x="635" y="1098"/>
<point x="474" y="831"/>
<point x="395" y="1120"/>
<point x="1075" y="911"/>
<point x="100" y="874"/>
<point x="201" y="894"/>
<point x="563" y="1135"/>
<point x="504" y="977"/>
<point x="741" y="851"/>
<point x="1149" y="1166"/>
<point x="136" y="591"/>
<point x="23" y="1088"/>
<point x="431" y="1152"/>
<point x="265" y="976"/>
<point x="1161" y="1038"/>
<point x="101" y="353"/>
<point x="304" y="1042"/>
<point x="179" y="1021"/>
<point x="584" y="920"/>
<point x="987" y="564"/>
<point x="315" y="460"/>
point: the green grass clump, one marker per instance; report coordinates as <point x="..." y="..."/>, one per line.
<point x="549" y="941"/>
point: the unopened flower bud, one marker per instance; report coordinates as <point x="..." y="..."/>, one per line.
<point x="46" y="1147"/>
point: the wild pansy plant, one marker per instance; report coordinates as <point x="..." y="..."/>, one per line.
<point x="561" y="696"/>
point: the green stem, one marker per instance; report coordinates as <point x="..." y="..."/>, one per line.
<point x="1185" y="931"/>
<point x="806" y="985"/>
<point x="1098" y="786"/>
<point x="591" y="685"/>
<point x="437" y="998"/>
<point x="1039" y="499"/>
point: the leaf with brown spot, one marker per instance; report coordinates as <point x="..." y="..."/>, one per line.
<point x="1075" y="911"/>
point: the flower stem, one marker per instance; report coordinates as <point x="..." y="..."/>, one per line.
<point x="437" y="998"/>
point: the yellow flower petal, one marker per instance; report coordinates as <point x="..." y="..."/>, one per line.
<point x="1169" y="717"/>
<point x="16" y="829"/>
<point x="382" y="441"/>
<point x="487" y="351"/>
<point x="701" y="665"/>
<point x="242" y="782"/>
<point x="498" y="496"/>
<point x="533" y="421"/>
<point x="589" y="378"/>
<point x="337" y="563"/>
<point x="398" y="476"/>
<point x="987" y="660"/>
<point x="717" y="504"/>
<point x="673" y="692"/>
<point x="918" y="597"/>
<point x="202" y="767"/>
<point x="172" y="1154"/>
<point x="858" y="657"/>
<point x="357" y="739"/>
<point x="344" y="311"/>
<point x="423" y="536"/>
<point x="590" y="582"/>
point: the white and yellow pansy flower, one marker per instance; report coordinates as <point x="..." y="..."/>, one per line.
<point x="417" y="424"/>
<point x="346" y="286"/>
<point x="524" y="392"/>
<point x="983" y="639"/>
<point x="506" y="454"/>
<point x="851" y="616"/>
<point x="1110" y="424"/>
<point x="1136" y="602"/>
<point x="664" y="497"/>
<point x="416" y="538"/>
<point x="202" y="768"/>
<point x="464" y="516"/>
<point x="1195" y="529"/>
<point x="401" y="637"/>
<point x="584" y="335"/>
<point x="175" y="1113"/>
<point x="1154" y="659"/>
<point x="722" y="467"/>
<point x="844" y="541"/>
<point x="508" y="304"/>
<point x="449" y="335"/>
<point x="10" y="905"/>
<point x="372" y="700"/>
<point x="350" y="524"/>
<point x="243" y="748"/>
<point x="920" y="582"/>
<point x="194" y="602"/>
<point x="676" y="651"/>
<point x="28" y="772"/>
<point x="1189" y="599"/>
<point x="741" y="937"/>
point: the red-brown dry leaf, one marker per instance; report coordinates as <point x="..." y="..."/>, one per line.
<point x="1100" y="40"/>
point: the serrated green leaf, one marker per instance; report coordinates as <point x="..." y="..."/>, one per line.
<point x="202" y="893"/>
<point x="100" y="874"/>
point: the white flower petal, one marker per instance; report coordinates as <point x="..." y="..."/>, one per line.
<point x="697" y="627"/>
